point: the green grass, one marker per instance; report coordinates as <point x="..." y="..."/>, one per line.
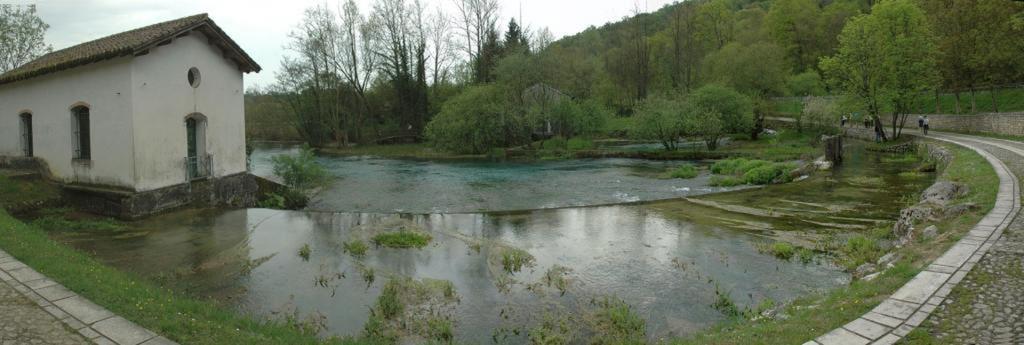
<point x="786" y="145"/>
<point x="726" y="181"/>
<point x="402" y="239"/>
<point x="812" y="316"/>
<point x="304" y="252"/>
<point x="16" y="192"/>
<point x="684" y="171"/>
<point x="1008" y="100"/>
<point x="615" y="322"/>
<point x="514" y="259"/>
<point x="179" y="317"/>
<point x="738" y="171"/>
<point x="355" y="247"/>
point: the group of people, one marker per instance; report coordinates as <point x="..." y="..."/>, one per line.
<point x="922" y="122"/>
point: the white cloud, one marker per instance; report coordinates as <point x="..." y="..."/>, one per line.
<point x="261" y="27"/>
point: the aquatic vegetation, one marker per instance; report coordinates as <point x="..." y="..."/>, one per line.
<point x="727" y="166"/>
<point x="684" y="171"/>
<point x="902" y="158"/>
<point x="739" y="171"/>
<point x="557" y="277"/>
<point x="402" y="239"/>
<point x="367" y="274"/>
<point x="514" y="259"/>
<point x="724" y="303"/>
<point x="355" y="247"/>
<point x="866" y="181"/>
<point x="615" y="322"/>
<point x="553" y="330"/>
<point x="805" y="255"/>
<point x="305" y="251"/>
<point x="911" y="174"/>
<point x="410" y="306"/>
<point x="768" y="173"/>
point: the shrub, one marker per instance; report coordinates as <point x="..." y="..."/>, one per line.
<point x="402" y="239"/>
<point x="805" y="84"/>
<point x="355" y="247"/>
<point x="301" y="171"/>
<point x="727" y="166"/>
<point x="288" y="199"/>
<point x="736" y="111"/>
<point x="768" y="173"/>
<point x="476" y="121"/>
<point x="684" y="171"/>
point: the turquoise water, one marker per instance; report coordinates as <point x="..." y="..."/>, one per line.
<point x="371" y="184"/>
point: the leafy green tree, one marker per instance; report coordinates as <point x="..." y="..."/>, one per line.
<point x="885" y="60"/>
<point x="733" y="108"/>
<point x="758" y="69"/>
<point x="704" y="122"/>
<point x="477" y="120"/>
<point x="659" y="118"/>
<point x="22" y="35"/>
<point x="805" y="84"/>
<point x="795" y="24"/>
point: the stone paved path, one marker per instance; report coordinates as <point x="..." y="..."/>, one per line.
<point x="24" y="322"/>
<point x="933" y="293"/>
<point x="37" y="310"/>
<point x="988" y="305"/>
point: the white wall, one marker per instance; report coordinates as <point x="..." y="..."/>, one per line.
<point x="162" y="100"/>
<point x="106" y="88"/>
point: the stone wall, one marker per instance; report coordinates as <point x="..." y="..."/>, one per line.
<point x="239" y="190"/>
<point x="998" y="123"/>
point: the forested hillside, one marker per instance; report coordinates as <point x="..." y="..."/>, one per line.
<point x="461" y="78"/>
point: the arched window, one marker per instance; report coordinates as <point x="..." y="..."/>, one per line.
<point x="80" y="132"/>
<point x="26" y="133"/>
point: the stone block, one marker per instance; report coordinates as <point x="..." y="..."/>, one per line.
<point x="25" y="274"/>
<point x="83" y="310"/>
<point x="122" y="331"/>
<point x="55" y="292"/>
<point x="40" y="283"/>
<point x="12" y="265"/>
<point x="919" y="289"/>
<point x="867" y="329"/>
<point x="841" y="336"/>
<point x="889" y="321"/>
<point x="165" y="341"/>
<point x="957" y="255"/>
<point x="896" y="309"/>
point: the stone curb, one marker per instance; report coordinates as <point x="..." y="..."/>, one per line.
<point x="93" y="322"/>
<point x="909" y="306"/>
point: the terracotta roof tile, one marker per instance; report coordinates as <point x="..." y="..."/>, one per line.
<point x="128" y="43"/>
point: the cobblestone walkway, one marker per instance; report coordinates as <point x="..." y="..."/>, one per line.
<point x="988" y="305"/>
<point x="24" y="322"/>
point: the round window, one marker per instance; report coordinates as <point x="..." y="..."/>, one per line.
<point x="193" y="77"/>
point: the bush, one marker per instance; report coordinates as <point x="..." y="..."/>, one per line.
<point x="736" y="111"/>
<point x="301" y="171"/>
<point x="402" y="239"/>
<point x="764" y="174"/>
<point x="476" y="121"/>
<point x="684" y="171"/>
<point x="806" y="84"/>
<point x="658" y="118"/>
<point x="288" y="199"/>
<point x="727" y="166"/>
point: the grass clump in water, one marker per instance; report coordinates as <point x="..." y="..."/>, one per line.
<point x="355" y="247"/>
<point x="726" y="181"/>
<point x="553" y="331"/>
<point x="402" y="239"/>
<point x="408" y="306"/>
<point x="859" y="250"/>
<point x="305" y="251"/>
<point x="514" y="259"/>
<point x="615" y="322"/>
<point x="685" y="171"/>
<point x="737" y="171"/>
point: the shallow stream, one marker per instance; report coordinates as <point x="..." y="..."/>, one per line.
<point x="666" y="259"/>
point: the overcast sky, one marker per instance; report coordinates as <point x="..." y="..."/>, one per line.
<point x="261" y="26"/>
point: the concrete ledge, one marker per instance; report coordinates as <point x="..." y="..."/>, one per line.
<point x="909" y="306"/>
<point x="92" y="321"/>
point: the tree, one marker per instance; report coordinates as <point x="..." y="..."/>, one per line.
<point x="515" y="39"/>
<point x="401" y="47"/>
<point x="659" y="118"/>
<point x="22" y="35"/>
<point x="442" y="55"/>
<point x="758" y="70"/>
<point x="885" y="60"/>
<point x="733" y="108"/>
<point x="715" y="22"/>
<point x="478" y="24"/>
<point x="477" y="120"/>
<point x="795" y="26"/>
<point x="356" y="62"/>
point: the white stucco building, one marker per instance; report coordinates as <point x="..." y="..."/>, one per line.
<point x="139" y="111"/>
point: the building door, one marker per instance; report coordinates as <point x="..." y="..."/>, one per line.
<point x="192" y="158"/>
<point x="26" y="134"/>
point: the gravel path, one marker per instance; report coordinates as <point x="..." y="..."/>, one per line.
<point x="24" y="322"/>
<point x="988" y="305"/>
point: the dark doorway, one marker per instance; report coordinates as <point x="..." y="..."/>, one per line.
<point x="26" y="134"/>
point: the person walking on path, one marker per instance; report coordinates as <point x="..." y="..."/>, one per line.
<point x="842" y="122"/>
<point x="924" y="125"/>
<point x="920" y="122"/>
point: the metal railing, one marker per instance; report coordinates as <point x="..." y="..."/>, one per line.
<point x="198" y="167"/>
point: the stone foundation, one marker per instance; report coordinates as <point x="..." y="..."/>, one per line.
<point x="240" y="190"/>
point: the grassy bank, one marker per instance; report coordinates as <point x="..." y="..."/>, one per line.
<point x="813" y="316"/>
<point x="181" y="318"/>
<point x="18" y="193"/>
